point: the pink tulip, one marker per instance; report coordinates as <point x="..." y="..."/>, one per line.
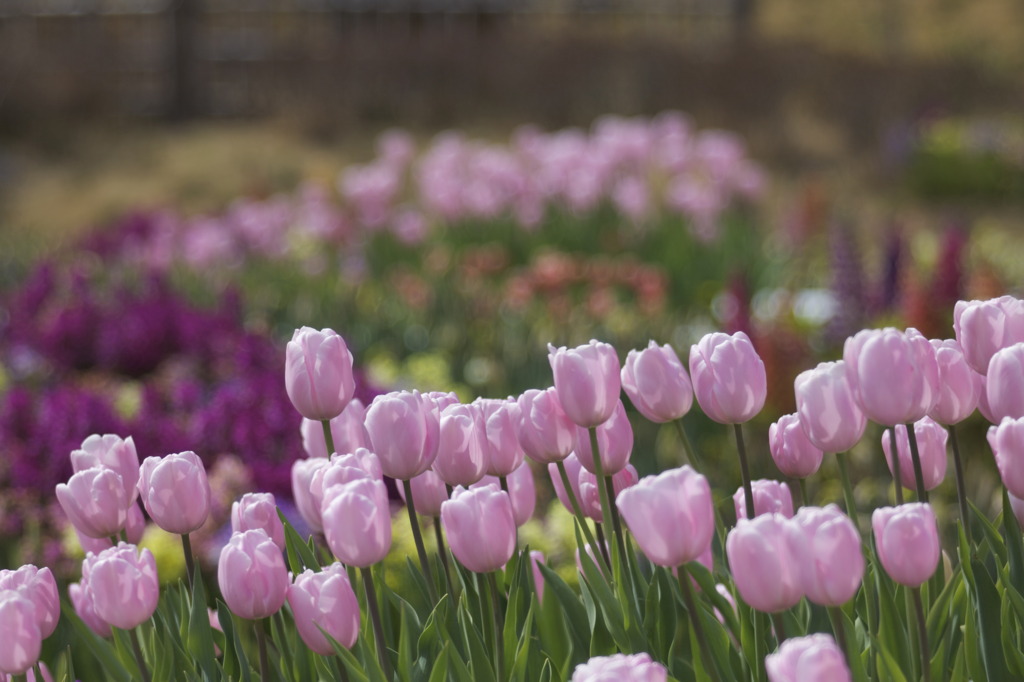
<point x="38" y="586"/>
<point x="1004" y="380"/>
<point x="357" y="522"/>
<point x="404" y="429"/>
<point x="768" y="556"/>
<point x="428" y="492"/>
<point x="95" y="501"/>
<point x="572" y="468"/>
<point x="907" y="541"/>
<point x="894" y="374"/>
<point x="134" y="527"/>
<point x="614" y="442"/>
<point x="347" y="430"/>
<point x="836" y="565"/>
<point x="728" y="377"/>
<point x="521" y="489"/>
<point x="814" y="658"/>
<point x="794" y="453"/>
<point x="318" y="373"/>
<point x="620" y="668"/>
<point x="112" y="452"/>
<point x="828" y="408"/>
<point x="536" y="559"/>
<point x="480" y="527"/>
<point x="657" y="383"/>
<point x="442" y="400"/>
<point x="258" y="510"/>
<point x="590" y="494"/>
<point x="1007" y="443"/>
<point x="501" y="423"/>
<point x="983" y="405"/>
<point x="959" y="386"/>
<point x="931" y="447"/>
<point x="462" y="453"/>
<point x="1017" y="507"/>
<point x="546" y="433"/>
<point x="340" y="470"/>
<point x="81" y="599"/>
<point x="325" y="601"/>
<point x="175" y="492"/>
<point x="20" y="639"/>
<point x="252" y="576"/>
<point x="671" y="515"/>
<point x="587" y="381"/>
<point x="984" y="327"/>
<point x="770" y="497"/>
<point x="123" y="584"/>
<point x="593" y="558"/>
<point x="303" y="471"/>
<point x="30" y="675"/>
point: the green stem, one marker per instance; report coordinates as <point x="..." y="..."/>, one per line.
<point x="190" y="563"/>
<point x="602" y="545"/>
<point x="759" y="671"/>
<point x="915" y="457"/>
<point x="802" y="483"/>
<point x="499" y="639"/>
<point x="691" y="606"/>
<point x="922" y="629"/>
<point x="421" y="550"/>
<point x="896" y="465"/>
<point x="443" y="553"/>
<point x="748" y="490"/>
<point x="780" y="627"/>
<point x="849" y="499"/>
<point x="261" y="641"/>
<point x="606" y="513"/>
<point x="961" y="487"/>
<point x="835" y="614"/>
<point x="137" y="647"/>
<point x="378" y="627"/>
<point x="503" y="480"/>
<point x="691" y="454"/>
<point x="328" y="436"/>
<point x="582" y="520"/>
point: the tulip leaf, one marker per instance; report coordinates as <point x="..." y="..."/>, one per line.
<point x="521" y="660"/>
<point x="1015" y="598"/>
<point x="892" y="667"/>
<point x="439" y="673"/>
<point x="941" y="608"/>
<point x="972" y="651"/>
<point x="409" y="624"/>
<point x="891" y="632"/>
<point x="352" y="667"/>
<point x="200" y="633"/>
<point x="230" y="626"/>
<point x="510" y="629"/>
<point x="987" y="609"/>
<point x="995" y="540"/>
<point x="606" y="599"/>
<point x="300" y="555"/>
<point x="1014" y="543"/>
<point x="574" y="612"/>
<point x="1008" y="633"/>
<point x="479" y="659"/>
<point x="555" y="639"/>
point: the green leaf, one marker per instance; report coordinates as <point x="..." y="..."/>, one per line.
<point x="554" y="635"/>
<point x="987" y="609"/>
<point x="940" y="610"/>
<point x="479" y="659"/>
<point x="995" y="540"/>
<point x="888" y="661"/>
<point x="609" y="603"/>
<point x="100" y="648"/>
<point x="439" y="673"/>
<point x="200" y="634"/>
<point x="1014" y="544"/>
<point x="300" y="555"/>
<point x="574" y="612"/>
<point x="1009" y="635"/>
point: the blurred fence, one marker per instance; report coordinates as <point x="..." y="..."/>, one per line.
<point x="176" y="58"/>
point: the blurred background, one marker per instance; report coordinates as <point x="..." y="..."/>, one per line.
<point x="452" y="184"/>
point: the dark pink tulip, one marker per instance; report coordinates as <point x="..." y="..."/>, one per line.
<point x="112" y="452"/>
<point x="620" y="668"/>
<point x="38" y="586"/>
<point x="462" y="452"/>
<point x="587" y="381"/>
<point x="501" y="424"/>
<point x="1007" y="443"/>
<point x="123" y="584"/>
<point x="794" y="453"/>
<point x="657" y="383"/>
<point x="768" y="556"/>
<point x="770" y="497"/>
<point x="960" y="386"/>
<point x="404" y="429"/>
<point x="814" y="658"/>
<point x="590" y="494"/>
<point x="20" y="639"/>
<point x="347" y="430"/>
<point x="81" y="599"/>
<point x="357" y="521"/>
<point x="836" y="565"/>
<point x="258" y="510"/>
<point x="318" y="373"/>
<point x="95" y="501"/>
<point x="907" y="541"/>
<point x="325" y="601"/>
<point x="175" y="492"/>
<point x="728" y="377"/>
<point x="521" y="488"/>
<point x="828" y="407"/>
<point x="1004" y="380"/>
<point x="546" y="433"/>
<point x="931" y="446"/>
<point x="428" y="491"/>
<point x="572" y="468"/>
<point x="984" y="327"/>
<point x="303" y="471"/>
<point x="480" y="527"/>
<point x="671" y="515"/>
<point x="894" y="374"/>
<point x="614" y="441"/>
<point x="252" y="575"/>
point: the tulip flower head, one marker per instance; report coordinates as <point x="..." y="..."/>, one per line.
<point x="768" y="556"/>
<point x="81" y="599"/>
<point x="325" y="601"/>
<point x="123" y="584"/>
<point x="175" y="492"/>
<point x="1003" y="382"/>
<point x="657" y="383"/>
<point x="303" y="471"/>
<point x="258" y="510"/>
<point x="907" y="541"/>
<point x="545" y="431"/>
<point x="38" y="586"/>
<point x="252" y="575"/>
<point x="931" y="445"/>
<point x="318" y="373"/>
<point x="590" y="494"/>
<point x="728" y="377"/>
<point x="522" y="491"/>
<point x="112" y="452"/>
<point x="572" y="469"/>
<point x="894" y="374"/>
<point x="770" y="497"/>
<point x="960" y="386"/>
<point x="828" y="407"/>
<point x="622" y="668"/>
<point x="480" y="527"/>
<point x="428" y="492"/>
<point x="814" y="658"/>
<point x="587" y="381"/>
<point x="794" y="453"/>
<point x="501" y="426"/>
<point x="836" y="565"/>
<point x="357" y="521"/>
<point x="347" y="430"/>
<point x="20" y="639"/>
<point x="1007" y="443"/>
<point x="614" y="441"/>
<point x="404" y="429"/>
<point x="95" y="501"/>
<point x="462" y="453"/>
<point x="984" y="327"/>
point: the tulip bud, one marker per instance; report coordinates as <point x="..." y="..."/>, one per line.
<point x="1007" y="443"/>
<point x="768" y="556"/>
<point x="252" y="576"/>
<point x="357" y="521"/>
<point x="175" y="492"/>
<point x="20" y="639"/>
<point x="404" y="430"/>
<point x="347" y="431"/>
<point x="894" y="374"/>
<point x="794" y="453"/>
<point x="984" y="327"/>
<point x="112" y="452"/>
<point x="960" y="386"/>
<point x="1004" y="380"/>
<point x="521" y="490"/>
<point x="622" y="668"/>
<point x="657" y="383"/>
<point x="318" y="373"/>
<point x="671" y="515"/>
<point x="325" y="601"/>
<point x="587" y="381"/>
<point x="614" y="441"/>
<point x="462" y="452"/>
<point x="38" y="586"/>
<point x="546" y="433"/>
<point x="590" y="493"/>
<point x="501" y="422"/>
<point x="828" y="408"/>
<point x="480" y="527"/>
<point x="428" y="492"/>
<point x="258" y="510"/>
<point x="728" y="377"/>
<point x="303" y="471"/>
<point x="770" y="497"/>
<point x="907" y="541"/>
<point x="837" y="564"/>
<point x="95" y="501"/>
<point x="814" y="658"/>
<point x="572" y="469"/>
<point x="931" y="446"/>
<point x="123" y="584"/>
